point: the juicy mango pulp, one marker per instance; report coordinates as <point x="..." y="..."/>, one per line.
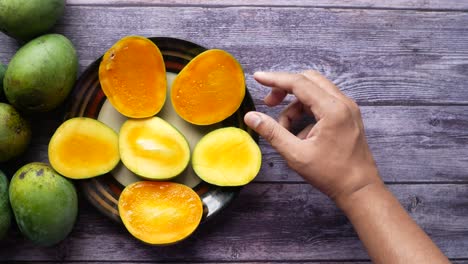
<point x="152" y="148"/>
<point x="83" y="148"/>
<point x="209" y="89"/>
<point x="227" y="157"/>
<point x="160" y="212"/>
<point x="80" y="150"/>
<point x="156" y="147"/>
<point x="133" y="77"/>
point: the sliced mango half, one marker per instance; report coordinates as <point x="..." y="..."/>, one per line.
<point x="83" y="148"/>
<point x="153" y="148"/>
<point x="227" y="157"/>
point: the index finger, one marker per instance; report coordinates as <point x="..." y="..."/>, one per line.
<point x="325" y="84"/>
<point x="304" y="89"/>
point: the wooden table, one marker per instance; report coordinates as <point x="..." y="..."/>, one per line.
<point x="404" y="62"/>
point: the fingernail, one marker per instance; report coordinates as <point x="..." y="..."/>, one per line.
<point x="260" y="74"/>
<point x="252" y="119"/>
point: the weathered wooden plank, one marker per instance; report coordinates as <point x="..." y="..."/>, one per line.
<point x="409" y="143"/>
<point x="376" y="56"/>
<point x="247" y="262"/>
<point x="267" y="222"/>
<point x="234" y="262"/>
<point x="261" y="262"/>
<point x="412" y="4"/>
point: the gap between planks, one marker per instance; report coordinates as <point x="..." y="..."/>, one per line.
<point x="423" y="6"/>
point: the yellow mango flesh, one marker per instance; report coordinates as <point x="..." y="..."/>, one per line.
<point x="209" y="89"/>
<point x="153" y="149"/>
<point x="160" y="213"/>
<point x="133" y="77"/>
<point x="82" y="148"/>
<point x="227" y="157"/>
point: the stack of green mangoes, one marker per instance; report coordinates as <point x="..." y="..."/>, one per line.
<point x="38" y="78"/>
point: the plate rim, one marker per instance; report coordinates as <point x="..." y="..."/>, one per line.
<point x="200" y="188"/>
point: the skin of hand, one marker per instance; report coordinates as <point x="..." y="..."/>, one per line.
<point x="333" y="156"/>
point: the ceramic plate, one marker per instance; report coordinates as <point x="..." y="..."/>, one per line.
<point x="87" y="99"/>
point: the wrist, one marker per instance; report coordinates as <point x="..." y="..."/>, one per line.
<point x="357" y="183"/>
<point x="360" y="196"/>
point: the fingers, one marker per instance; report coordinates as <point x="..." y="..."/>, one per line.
<point x="318" y="95"/>
<point x="304" y="89"/>
<point x="279" y="137"/>
<point x="275" y="97"/>
<point x="292" y="112"/>
<point x="331" y="88"/>
<point x="324" y="83"/>
<point x="305" y="132"/>
<point x="328" y="86"/>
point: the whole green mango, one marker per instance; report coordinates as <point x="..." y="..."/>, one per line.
<point x="41" y="74"/>
<point x="44" y="203"/>
<point x="25" y="19"/>
<point x="15" y="133"/>
<point x="5" y="212"/>
<point x="3" y="68"/>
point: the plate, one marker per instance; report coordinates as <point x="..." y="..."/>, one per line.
<point x="87" y="99"/>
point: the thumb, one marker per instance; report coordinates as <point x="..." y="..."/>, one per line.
<point x="279" y="137"/>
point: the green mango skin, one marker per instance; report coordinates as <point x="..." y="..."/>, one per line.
<point x="15" y="133"/>
<point x="41" y="74"/>
<point x="26" y="19"/>
<point x="3" y="68"/>
<point x="44" y="203"/>
<point x="5" y="211"/>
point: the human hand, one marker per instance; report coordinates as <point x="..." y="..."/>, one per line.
<point x="332" y="154"/>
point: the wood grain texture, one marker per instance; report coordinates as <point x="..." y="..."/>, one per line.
<point x="254" y="262"/>
<point x="243" y="262"/>
<point x="257" y="262"/>
<point x="416" y="143"/>
<point x="383" y="57"/>
<point x="407" y="68"/>
<point x="411" y="4"/>
<point x="267" y="222"/>
<point x="409" y="143"/>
